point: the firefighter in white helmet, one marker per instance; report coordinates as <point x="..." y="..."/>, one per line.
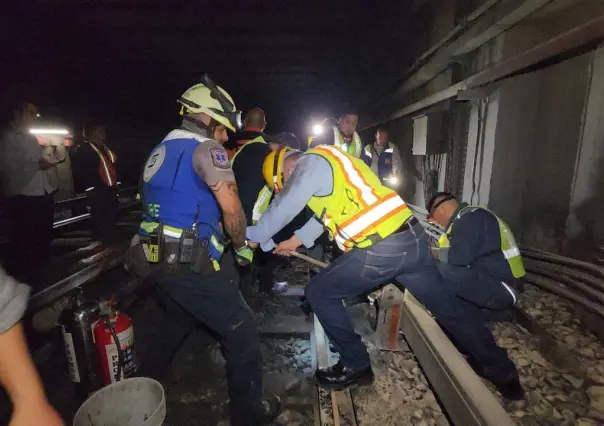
<point x="189" y="195"/>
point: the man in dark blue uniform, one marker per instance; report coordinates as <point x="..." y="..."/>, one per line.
<point x="479" y="261"/>
<point x="189" y="195"/>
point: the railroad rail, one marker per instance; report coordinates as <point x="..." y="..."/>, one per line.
<point x="103" y="261"/>
<point x="463" y="395"/>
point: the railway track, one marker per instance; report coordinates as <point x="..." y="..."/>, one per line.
<point x="462" y="394"/>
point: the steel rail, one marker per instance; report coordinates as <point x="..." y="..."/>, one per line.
<point x="466" y="399"/>
<point x="109" y="260"/>
<point x="85" y="216"/>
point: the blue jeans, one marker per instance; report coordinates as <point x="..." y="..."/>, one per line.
<point x="405" y="258"/>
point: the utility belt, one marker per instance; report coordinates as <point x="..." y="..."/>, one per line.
<point x="177" y="250"/>
<point x="406" y="226"/>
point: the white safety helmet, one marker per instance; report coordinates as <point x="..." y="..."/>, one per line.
<point x="212" y="100"/>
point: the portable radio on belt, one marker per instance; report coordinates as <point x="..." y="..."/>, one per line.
<point x="156" y="239"/>
<point x="188" y="243"/>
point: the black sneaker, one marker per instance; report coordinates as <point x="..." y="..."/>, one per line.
<point x="338" y="376"/>
<point x="272" y="407"/>
<point x="305" y="307"/>
<point x="511" y="390"/>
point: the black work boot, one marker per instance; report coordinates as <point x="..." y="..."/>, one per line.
<point x="338" y="376"/>
<point x="272" y="407"/>
<point x="511" y="390"/>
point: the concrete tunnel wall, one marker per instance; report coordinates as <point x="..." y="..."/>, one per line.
<point x="543" y="159"/>
<point x="539" y="126"/>
<point x="585" y="225"/>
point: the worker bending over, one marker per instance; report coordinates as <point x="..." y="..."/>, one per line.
<point x="187" y="187"/>
<point x="384" y="159"/>
<point x="344" y="136"/>
<point x="255" y="196"/>
<point x="369" y="222"/>
<point x="479" y="261"/>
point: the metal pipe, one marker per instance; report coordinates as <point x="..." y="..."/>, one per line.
<point x="538" y="254"/>
<point x="408" y="81"/>
<point x="569" y="41"/>
<point x="552" y="287"/>
<point x="569" y="282"/>
<point x="592" y="281"/>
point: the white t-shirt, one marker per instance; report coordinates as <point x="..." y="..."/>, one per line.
<point x="20" y="171"/>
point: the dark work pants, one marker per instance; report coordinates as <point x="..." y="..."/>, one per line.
<point x="31" y="219"/>
<point x="476" y="288"/>
<point x="405" y="258"/>
<point x="215" y="301"/>
<point x="104" y="211"/>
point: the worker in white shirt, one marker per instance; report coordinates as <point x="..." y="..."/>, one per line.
<point x="29" y="192"/>
<point x="384" y="159"/>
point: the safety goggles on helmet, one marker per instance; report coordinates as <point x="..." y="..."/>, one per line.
<point x="208" y="98"/>
<point x="228" y="108"/>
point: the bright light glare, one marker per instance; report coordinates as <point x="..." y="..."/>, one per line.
<point x="48" y="131"/>
<point x="393" y="180"/>
<point x="317" y="129"/>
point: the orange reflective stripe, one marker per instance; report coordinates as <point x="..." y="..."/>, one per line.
<point x="363" y="212"/>
<point x="383" y="219"/>
<point x="365" y="192"/>
<point x="108" y="169"/>
<point x="344" y="174"/>
<point x="369" y="218"/>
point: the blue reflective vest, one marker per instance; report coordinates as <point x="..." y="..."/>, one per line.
<point x="384" y="160"/>
<point x="174" y="194"/>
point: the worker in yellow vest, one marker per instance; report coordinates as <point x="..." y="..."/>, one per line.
<point x="479" y="261"/>
<point x="344" y="135"/>
<point x="369" y="222"/>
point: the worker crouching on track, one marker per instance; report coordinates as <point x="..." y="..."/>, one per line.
<point x="479" y="261"/>
<point x="374" y="227"/>
<point x="187" y="186"/>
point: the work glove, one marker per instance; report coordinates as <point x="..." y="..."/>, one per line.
<point x="244" y="255"/>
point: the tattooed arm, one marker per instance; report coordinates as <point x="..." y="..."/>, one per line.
<point x="211" y="163"/>
<point x="234" y="218"/>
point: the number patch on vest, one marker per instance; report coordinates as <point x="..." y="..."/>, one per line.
<point x="154" y="163"/>
<point x="220" y="158"/>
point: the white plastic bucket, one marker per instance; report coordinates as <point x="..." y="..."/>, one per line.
<point x="138" y="401"/>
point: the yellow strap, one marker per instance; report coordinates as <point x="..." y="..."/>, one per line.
<point x="259" y="139"/>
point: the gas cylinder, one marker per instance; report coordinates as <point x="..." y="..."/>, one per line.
<point x="116" y="363"/>
<point x="76" y="323"/>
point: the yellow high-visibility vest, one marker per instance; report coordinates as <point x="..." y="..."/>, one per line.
<point x="509" y="248"/>
<point x="355" y="148"/>
<point x="264" y="196"/>
<point x="359" y="206"/>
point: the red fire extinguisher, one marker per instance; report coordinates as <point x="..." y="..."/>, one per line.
<point x="116" y="361"/>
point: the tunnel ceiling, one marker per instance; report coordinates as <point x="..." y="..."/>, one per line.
<point x="126" y="61"/>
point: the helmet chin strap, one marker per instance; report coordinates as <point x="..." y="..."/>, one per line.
<point x="199" y="126"/>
